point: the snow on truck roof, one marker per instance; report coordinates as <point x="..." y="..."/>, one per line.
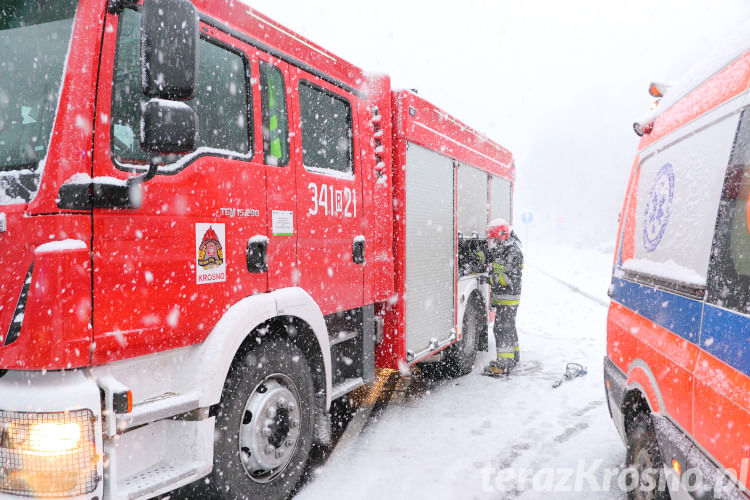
<point x="259" y="30"/>
<point x="266" y="34"/>
<point x="420" y="121"/>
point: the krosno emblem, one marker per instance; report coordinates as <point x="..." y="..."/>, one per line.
<point x="210" y="250"/>
<point x="658" y="207"/>
<point x="210" y="253"/>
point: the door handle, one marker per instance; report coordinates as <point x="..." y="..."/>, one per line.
<point x="256" y="255"/>
<point x="358" y="250"/>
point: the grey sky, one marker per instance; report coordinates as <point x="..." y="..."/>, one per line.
<point x="558" y="83"/>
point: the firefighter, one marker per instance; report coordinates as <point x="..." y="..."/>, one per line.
<point x="505" y="262"/>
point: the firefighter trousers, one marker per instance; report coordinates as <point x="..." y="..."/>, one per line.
<point x="506" y="337"/>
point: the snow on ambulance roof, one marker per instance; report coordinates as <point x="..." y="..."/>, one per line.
<point x="730" y="49"/>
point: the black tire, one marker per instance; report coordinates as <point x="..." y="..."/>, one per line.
<point x="642" y="454"/>
<point x="278" y="364"/>
<point x="459" y="358"/>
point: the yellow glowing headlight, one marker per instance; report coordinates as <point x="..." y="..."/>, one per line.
<point x="50" y="454"/>
<point x="48" y="438"/>
<point x="54" y="438"/>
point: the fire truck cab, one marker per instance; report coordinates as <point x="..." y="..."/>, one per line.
<point x="677" y="369"/>
<point x="208" y="226"/>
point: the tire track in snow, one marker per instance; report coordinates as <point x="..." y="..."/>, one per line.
<point x="525" y="446"/>
<point x="572" y="287"/>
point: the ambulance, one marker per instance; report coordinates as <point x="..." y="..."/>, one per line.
<point x="677" y="368"/>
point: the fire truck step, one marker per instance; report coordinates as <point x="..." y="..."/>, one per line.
<point x="165" y="406"/>
<point x="161" y="476"/>
<point x="346" y="387"/>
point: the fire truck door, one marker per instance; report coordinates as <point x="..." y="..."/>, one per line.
<point x="281" y="194"/>
<point x="330" y="246"/>
<point x="165" y="272"/>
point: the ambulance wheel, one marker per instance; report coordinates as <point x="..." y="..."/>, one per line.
<point x="459" y="360"/>
<point x="264" y="424"/>
<point x="644" y="458"/>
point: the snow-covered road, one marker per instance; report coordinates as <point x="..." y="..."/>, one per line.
<point x="481" y="438"/>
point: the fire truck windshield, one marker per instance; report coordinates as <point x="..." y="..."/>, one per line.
<point x="34" y="40"/>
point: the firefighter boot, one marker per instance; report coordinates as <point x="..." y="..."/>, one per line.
<point x="498" y="367"/>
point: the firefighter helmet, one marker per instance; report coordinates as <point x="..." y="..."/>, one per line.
<point x="498" y="229"/>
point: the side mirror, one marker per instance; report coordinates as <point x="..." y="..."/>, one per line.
<point x="168" y="127"/>
<point x="169" y="49"/>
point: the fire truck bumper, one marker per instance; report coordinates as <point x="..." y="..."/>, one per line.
<point x="50" y="435"/>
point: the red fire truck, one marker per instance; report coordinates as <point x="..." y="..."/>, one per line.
<point x="211" y="228"/>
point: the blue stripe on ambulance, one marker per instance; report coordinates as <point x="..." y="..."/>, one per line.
<point x="726" y="335"/>
<point x="676" y="313"/>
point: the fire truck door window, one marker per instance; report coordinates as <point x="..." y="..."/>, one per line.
<point x="275" y="118"/>
<point x="326" y="123"/>
<point x="221" y="100"/>
<point x="729" y="276"/>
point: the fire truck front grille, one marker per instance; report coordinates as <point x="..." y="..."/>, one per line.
<point x="47" y="454"/>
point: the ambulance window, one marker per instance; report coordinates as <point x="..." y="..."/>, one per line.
<point x="729" y="274"/>
<point x="326" y="123"/>
<point x="275" y="119"/>
<point x="221" y="101"/>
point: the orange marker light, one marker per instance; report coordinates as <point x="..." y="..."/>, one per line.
<point x="676" y="466"/>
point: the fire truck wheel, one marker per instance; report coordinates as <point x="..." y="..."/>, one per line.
<point x="644" y="458"/>
<point x="459" y="358"/>
<point x="463" y="354"/>
<point x="264" y="424"/>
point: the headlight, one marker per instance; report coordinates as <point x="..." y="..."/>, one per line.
<point x="51" y="438"/>
<point x="47" y="454"/>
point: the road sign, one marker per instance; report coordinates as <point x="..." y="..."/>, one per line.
<point x="527" y="217"/>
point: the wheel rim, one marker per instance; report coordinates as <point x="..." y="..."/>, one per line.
<point x="643" y="461"/>
<point x="270" y="428"/>
<point x="470" y="332"/>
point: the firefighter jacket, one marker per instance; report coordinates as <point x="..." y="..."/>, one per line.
<point x="505" y="268"/>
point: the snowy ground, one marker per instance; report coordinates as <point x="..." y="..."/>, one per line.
<point x="481" y="438"/>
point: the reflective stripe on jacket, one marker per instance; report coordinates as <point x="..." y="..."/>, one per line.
<point x="506" y="268"/>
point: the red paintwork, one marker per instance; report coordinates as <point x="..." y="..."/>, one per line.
<point x="55" y="341"/>
<point x="56" y="328"/>
<point x="627" y="217"/>
<point x="135" y="292"/>
<point x="632" y="339"/>
<point x="437" y="130"/>
<point x="722" y="412"/>
<point x="392" y="350"/>
<point x="434" y="129"/>
<point x="70" y="149"/>
<point x="324" y="240"/>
